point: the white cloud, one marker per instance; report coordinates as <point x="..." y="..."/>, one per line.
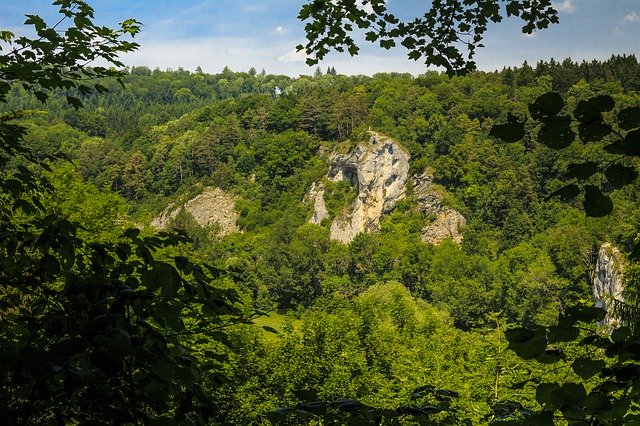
<point x="566" y="6"/>
<point x="281" y="31"/>
<point x="632" y="17"/>
<point x="294" y="56"/>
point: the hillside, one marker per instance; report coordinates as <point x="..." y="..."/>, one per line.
<point x="391" y="238"/>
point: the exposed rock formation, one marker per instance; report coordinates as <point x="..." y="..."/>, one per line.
<point x="607" y="283"/>
<point x="320" y="213"/>
<point x="212" y="206"/>
<point x="448" y="224"/>
<point x="379" y="170"/>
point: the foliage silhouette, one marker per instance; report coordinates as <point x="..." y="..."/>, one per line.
<point x="92" y="331"/>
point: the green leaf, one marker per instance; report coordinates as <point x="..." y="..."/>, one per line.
<point x="546" y="106"/>
<point x="602" y="103"/>
<point x="593" y="132"/>
<point x="544" y="394"/>
<point x="270" y="329"/>
<point x="557" y="133"/>
<point x="543" y="418"/>
<point x="635" y="252"/>
<point x="586" y="112"/>
<point x="74" y="102"/>
<point x="596" y="204"/>
<point x="582" y="170"/>
<point x="572" y="394"/>
<point x="596" y="403"/>
<point x="518" y="334"/>
<point x="558" y="334"/>
<point x="566" y="193"/>
<point x="530" y="348"/>
<point x="620" y="176"/>
<point x="577" y="313"/>
<point x="509" y="132"/>
<point x="587" y="368"/>
<point x="50" y="265"/>
<point x="629" y="118"/>
<point x="621" y="334"/>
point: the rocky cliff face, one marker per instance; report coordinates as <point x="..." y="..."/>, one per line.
<point x="212" y="206"/>
<point x="607" y="283"/>
<point x="380" y="170"/>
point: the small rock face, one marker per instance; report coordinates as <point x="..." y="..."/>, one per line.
<point x="316" y="194"/>
<point x="607" y="284"/>
<point x="448" y="224"/>
<point x="213" y="205"/>
<point x="379" y="170"/>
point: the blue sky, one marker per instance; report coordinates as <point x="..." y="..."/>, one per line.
<point x="263" y="34"/>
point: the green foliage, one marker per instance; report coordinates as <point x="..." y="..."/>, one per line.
<point x="436" y="35"/>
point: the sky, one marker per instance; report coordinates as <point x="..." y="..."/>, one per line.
<point x="263" y="34"/>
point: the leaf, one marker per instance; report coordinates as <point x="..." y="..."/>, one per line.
<point x="593" y="132"/>
<point x="621" y="334"/>
<point x="620" y="176"/>
<point x="596" y="403"/>
<point x="530" y="348"/>
<point x="558" y="334"/>
<point x="74" y="102"/>
<point x="518" y="335"/>
<point x="566" y="193"/>
<point x="629" y="118"/>
<point x="587" y="368"/>
<point x="602" y="103"/>
<point x="596" y="204"/>
<point x="544" y="394"/>
<point x="509" y="132"/>
<point x="543" y="418"/>
<point x="572" y="394"/>
<point x="635" y="252"/>
<point x="557" y="133"/>
<point x="582" y="170"/>
<point x="50" y="265"/>
<point x="546" y="106"/>
<point x="270" y="329"/>
<point x="577" y="313"/>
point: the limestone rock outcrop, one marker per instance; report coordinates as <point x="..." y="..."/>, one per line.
<point x="448" y="224"/>
<point x="379" y="170"/>
<point x="212" y="206"/>
<point x="607" y="283"/>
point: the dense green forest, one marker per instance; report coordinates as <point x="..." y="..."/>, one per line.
<point x="378" y="317"/>
<point x="197" y="325"/>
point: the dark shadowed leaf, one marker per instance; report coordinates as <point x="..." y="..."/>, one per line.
<point x="544" y="394"/>
<point x="566" y="193"/>
<point x="619" y="175"/>
<point x="509" y="132"/>
<point x="519" y="334"/>
<point x="586" y="367"/>
<point x="593" y="132"/>
<point x="270" y="329"/>
<point x="557" y="133"/>
<point x="558" y="334"/>
<point x="596" y="402"/>
<point x="574" y="314"/>
<point x="572" y="394"/>
<point x="543" y="418"/>
<point x="602" y="103"/>
<point x="546" y="106"/>
<point x="629" y="118"/>
<point x="596" y="204"/>
<point x="582" y="170"/>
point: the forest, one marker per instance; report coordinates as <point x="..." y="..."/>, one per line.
<point x="118" y="304"/>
